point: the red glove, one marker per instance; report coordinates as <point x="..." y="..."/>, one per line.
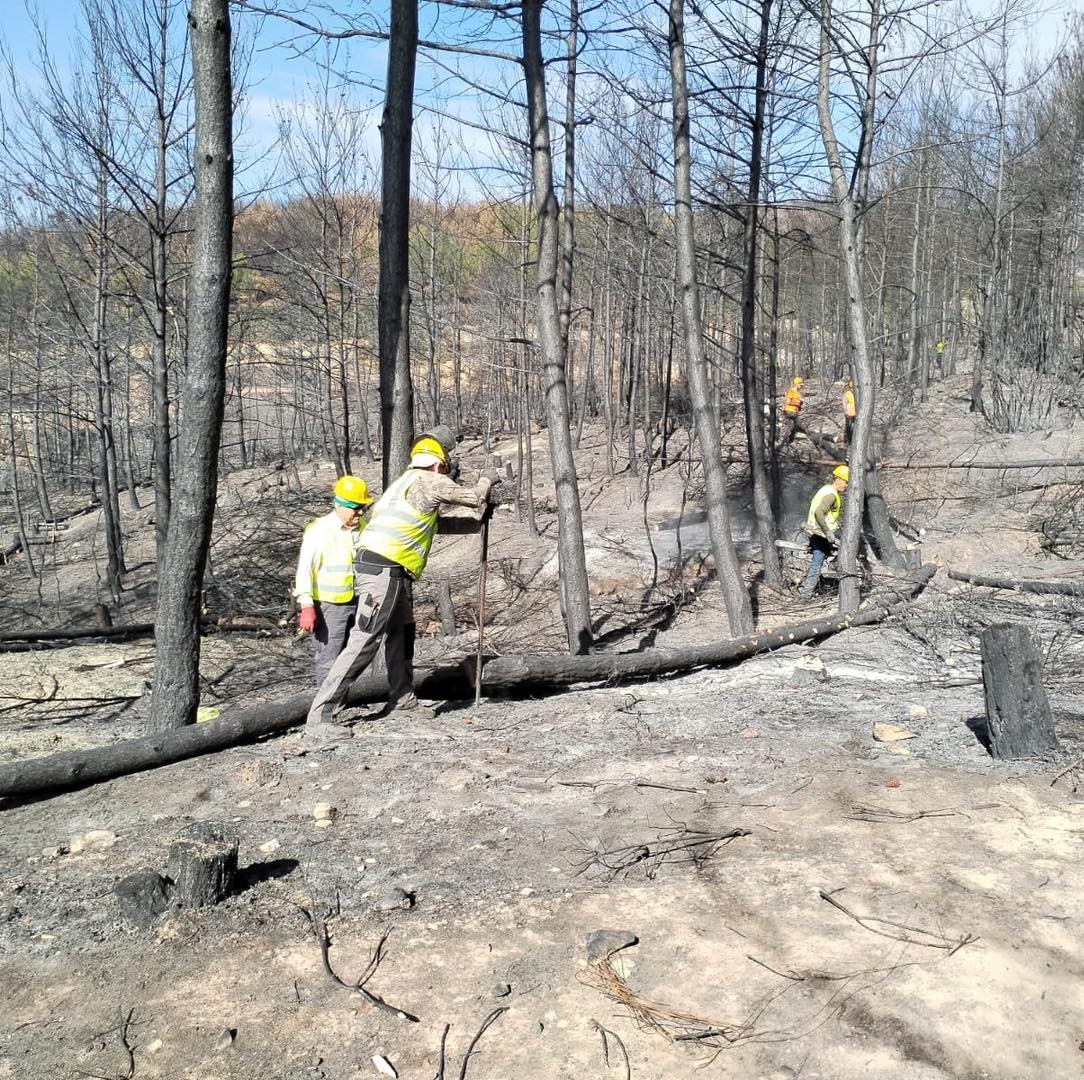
<point x="306" y="620"/>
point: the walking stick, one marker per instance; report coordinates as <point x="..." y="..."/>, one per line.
<point x="484" y="563"/>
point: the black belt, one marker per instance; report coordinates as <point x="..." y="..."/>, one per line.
<point x="371" y="562"/>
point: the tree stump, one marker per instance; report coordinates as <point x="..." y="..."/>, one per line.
<point x="1018" y="715"/>
<point x="446" y="608"/>
<point x="203" y="864"/>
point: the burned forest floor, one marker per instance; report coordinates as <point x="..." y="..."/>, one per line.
<point x="815" y="866"/>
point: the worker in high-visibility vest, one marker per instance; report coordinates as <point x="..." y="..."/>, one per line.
<point x="393" y="552"/>
<point x="792" y="405"/>
<point x="849" y="411"/>
<point x="822" y="524"/>
<point x="324" y="582"/>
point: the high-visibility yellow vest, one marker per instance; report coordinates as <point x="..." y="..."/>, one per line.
<point x="332" y="567"/>
<point x="398" y="531"/>
<point x="792" y="402"/>
<point x="848" y="403"/>
<point x="832" y="516"/>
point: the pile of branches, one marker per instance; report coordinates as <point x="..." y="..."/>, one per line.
<point x="1062" y="524"/>
<point x="954" y="623"/>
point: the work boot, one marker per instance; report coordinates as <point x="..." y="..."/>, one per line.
<point x="317" y="737"/>
<point x="409" y="707"/>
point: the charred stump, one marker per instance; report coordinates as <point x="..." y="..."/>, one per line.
<point x="203" y="864"/>
<point x="1019" y="721"/>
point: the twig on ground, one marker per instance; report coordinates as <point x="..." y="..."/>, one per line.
<point x="319" y="929"/>
<point x="881" y="814"/>
<point x="443" y="1044"/>
<point x="910" y="934"/>
<point x="605" y="1034"/>
<point x="677" y="845"/>
<point x="123" y="1027"/>
<point x="490" y="1019"/>
<point x="1067" y="770"/>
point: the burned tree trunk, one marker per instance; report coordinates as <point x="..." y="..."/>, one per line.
<point x="202" y="864"/>
<point x="393" y="301"/>
<point x="180" y="581"/>
<point x="575" y="591"/>
<point x="1018" y="715"/>
<point x="739" y="608"/>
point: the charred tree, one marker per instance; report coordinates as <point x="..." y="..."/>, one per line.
<point x="1018" y="717"/>
<point x="727" y="568"/>
<point x="176" y="668"/>
<point x="754" y="414"/>
<point x="393" y="290"/>
<point x="573" y="563"/>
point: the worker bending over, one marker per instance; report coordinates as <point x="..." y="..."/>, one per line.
<point x="792" y="406"/>
<point x="324" y="582"/>
<point x="822" y="524"/>
<point x="392" y="555"/>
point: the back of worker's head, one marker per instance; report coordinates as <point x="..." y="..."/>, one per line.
<point x="427" y="452"/>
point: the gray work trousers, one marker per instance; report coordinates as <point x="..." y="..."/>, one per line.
<point x="385" y="608"/>
<point x="333" y="624"/>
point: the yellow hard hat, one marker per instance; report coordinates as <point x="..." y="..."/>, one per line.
<point x="797" y="380"/>
<point x="427" y="451"/>
<point x="842" y="472"/>
<point x="351" y="491"/>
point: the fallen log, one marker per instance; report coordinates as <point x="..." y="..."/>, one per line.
<point x="76" y="635"/>
<point x="548" y="672"/>
<point x="78" y="768"/>
<point x="1034" y="585"/>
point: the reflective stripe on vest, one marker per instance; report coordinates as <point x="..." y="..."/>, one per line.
<point x="399" y="532"/>
<point x="333" y="579"/>
<point x="832" y="516"/>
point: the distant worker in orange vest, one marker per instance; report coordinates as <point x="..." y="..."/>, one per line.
<point x="792" y="405"/>
<point x="848" y="411"/>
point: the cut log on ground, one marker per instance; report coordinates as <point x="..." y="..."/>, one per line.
<point x="522" y="674"/>
<point x="509" y="673"/>
<point x="1054" y="588"/>
<point x="77" y="635"/>
<point x="203" y="864"/>
<point x="1018" y="717"/>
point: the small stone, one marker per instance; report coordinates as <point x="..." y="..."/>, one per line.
<point x="501" y="990"/>
<point x="142" y="896"/>
<point x="395" y="899"/>
<point x="384" y="1066"/>
<point x="749" y="733"/>
<point x="153" y="1046"/>
<point x="885" y="732"/>
<point x="95" y="840"/>
<point x="893" y="783"/>
<point x="917" y="712"/>
<point x="324" y="823"/>
<point x="604" y="943"/>
<point x="324" y="811"/>
<point x="53" y="852"/>
<point x="526" y="891"/>
<point x="270" y="847"/>
<point x="225" y="1039"/>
